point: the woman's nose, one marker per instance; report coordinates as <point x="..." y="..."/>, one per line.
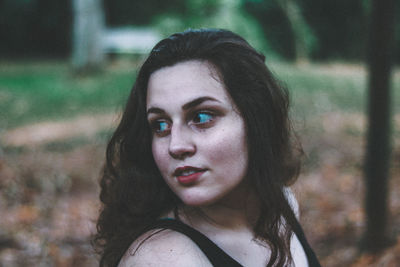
<point x="181" y="143"/>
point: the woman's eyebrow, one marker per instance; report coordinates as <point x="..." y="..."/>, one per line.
<point x="197" y="102"/>
<point x="189" y="105"/>
<point x="155" y="110"/>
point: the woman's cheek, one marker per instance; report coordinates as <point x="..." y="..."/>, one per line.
<point x="160" y="155"/>
<point x="227" y="148"/>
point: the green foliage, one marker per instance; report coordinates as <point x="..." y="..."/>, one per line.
<point x="320" y="89"/>
<point x="273" y="16"/>
<point x="332" y="29"/>
<point x="226" y="14"/>
<point x="340" y="27"/>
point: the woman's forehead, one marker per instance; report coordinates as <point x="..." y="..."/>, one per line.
<point x="185" y="81"/>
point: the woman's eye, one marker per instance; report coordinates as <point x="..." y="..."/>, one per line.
<point x="203" y="117"/>
<point x="160" y="127"/>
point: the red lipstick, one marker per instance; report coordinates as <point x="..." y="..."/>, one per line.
<point x="187" y="175"/>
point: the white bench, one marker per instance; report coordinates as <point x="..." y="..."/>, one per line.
<point x="129" y="40"/>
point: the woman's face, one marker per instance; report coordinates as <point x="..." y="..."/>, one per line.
<point x="199" y="142"/>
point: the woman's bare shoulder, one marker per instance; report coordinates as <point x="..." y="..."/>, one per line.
<point x="163" y="248"/>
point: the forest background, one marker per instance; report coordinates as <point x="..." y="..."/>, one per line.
<point x="55" y="121"/>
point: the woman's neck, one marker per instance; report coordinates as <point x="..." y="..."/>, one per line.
<point x="232" y="212"/>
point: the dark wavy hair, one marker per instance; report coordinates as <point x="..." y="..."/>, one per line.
<point x="133" y="192"/>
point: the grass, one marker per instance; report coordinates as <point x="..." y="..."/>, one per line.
<point x="317" y="89"/>
<point x="36" y="91"/>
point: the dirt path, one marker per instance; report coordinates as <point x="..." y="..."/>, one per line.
<point x="51" y="131"/>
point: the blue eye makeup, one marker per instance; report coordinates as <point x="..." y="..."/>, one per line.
<point x="202" y="117"/>
<point x="162" y="126"/>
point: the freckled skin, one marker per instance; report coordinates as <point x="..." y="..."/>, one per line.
<point x="217" y="146"/>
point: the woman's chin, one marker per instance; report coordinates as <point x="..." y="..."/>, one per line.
<point x="198" y="201"/>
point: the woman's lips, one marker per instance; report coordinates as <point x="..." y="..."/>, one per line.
<point x="189" y="179"/>
<point x="188" y="175"/>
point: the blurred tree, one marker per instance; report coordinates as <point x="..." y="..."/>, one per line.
<point x="381" y="48"/>
<point x="275" y="25"/>
<point x="301" y="31"/>
<point x="340" y="28"/>
<point x="88" y="24"/>
<point x="284" y="26"/>
<point x="320" y="29"/>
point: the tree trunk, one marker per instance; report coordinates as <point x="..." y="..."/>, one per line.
<point x="87" y="35"/>
<point x="381" y="48"/>
<point x="300" y="29"/>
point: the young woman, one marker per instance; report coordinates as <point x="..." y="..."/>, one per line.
<point x="198" y="168"/>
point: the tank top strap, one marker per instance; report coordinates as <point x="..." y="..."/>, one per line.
<point x="311" y="257"/>
<point x="215" y="254"/>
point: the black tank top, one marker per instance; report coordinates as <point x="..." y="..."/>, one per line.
<point x="215" y="254"/>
